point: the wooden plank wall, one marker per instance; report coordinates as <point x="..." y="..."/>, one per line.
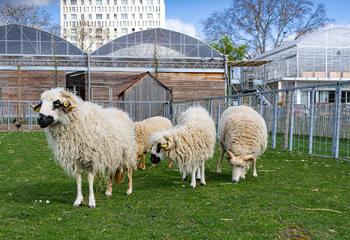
<point x="188" y="86"/>
<point x="102" y="82"/>
<point x="32" y="83"/>
<point x="146" y="89"/>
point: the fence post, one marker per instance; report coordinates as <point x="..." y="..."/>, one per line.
<point x="8" y="116"/>
<point x="291" y="130"/>
<point x="311" y="122"/>
<point x="261" y="107"/>
<point x="274" y="121"/>
<point x="209" y="106"/>
<point x="336" y="122"/>
<point x="218" y="118"/>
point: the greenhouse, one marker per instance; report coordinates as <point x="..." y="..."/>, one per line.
<point x="318" y="57"/>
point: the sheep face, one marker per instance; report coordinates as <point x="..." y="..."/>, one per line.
<point x="54" y="107"/>
<point x="240" y="165"/>
<point x="159" y="149"/>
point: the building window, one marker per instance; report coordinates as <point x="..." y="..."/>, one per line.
<point x="73" y="2"/>
<point x="124" y="2"/>
<point x="107" y="16"/>
<point x="150" y="2"/>
<point x="115" y="16"/>
<point x="149" y="16"/>
<point x="115" y="2"/>
<point x="140" y="16"/>
<point x="98" y="16"/>
<point x="124" y="16"/>
<point x="64" y="16"/>
<point x="141" y="2"/>
<point x="64" y="2"/>
<point x="133" y="16"/>
<point x="90" y="2"/>
<point x="73" y="17"/>
<point x="124" y="31"/>
<point x="82" y="2"/>
<point x="98" y="2"/>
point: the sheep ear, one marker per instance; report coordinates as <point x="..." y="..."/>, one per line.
<point x="249" y="158"/>
<point x="230" y="155"/>
<point x="68" y="102"/>
<point x="37" y="107"/>
<point x="167" y="145"/>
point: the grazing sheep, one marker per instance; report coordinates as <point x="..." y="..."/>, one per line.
<point x="87" y="137"/>
<point x="143" y="131"/>
<point x="190" y="143"/>
<point x="243" y="137"/>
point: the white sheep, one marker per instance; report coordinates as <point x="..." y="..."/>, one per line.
<point x="143" y="131"/>
<point x="87" y="137"/>
<point x="243" y="137"/>
<point x="190" y="143"/>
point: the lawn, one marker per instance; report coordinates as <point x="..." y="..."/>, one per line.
<point x="294" y="197"/>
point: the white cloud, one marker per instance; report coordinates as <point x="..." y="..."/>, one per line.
<point x="179" y="26"/>
<point x="36" y="2"/>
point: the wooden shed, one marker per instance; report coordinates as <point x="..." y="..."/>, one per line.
<point x="140" y="94"/>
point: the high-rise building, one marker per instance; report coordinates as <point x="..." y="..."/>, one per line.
<point x="91" y="23"/>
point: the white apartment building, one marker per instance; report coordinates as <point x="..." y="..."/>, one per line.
<point x="91" y="23"/>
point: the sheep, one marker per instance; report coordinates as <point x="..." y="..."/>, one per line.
<point x="190" y="143"/>
<point x="86" y="137"/>
<point x="143" y="131"/>
<point x="243" y="137"/>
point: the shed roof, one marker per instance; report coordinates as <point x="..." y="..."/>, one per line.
<point x="134" y="79"/>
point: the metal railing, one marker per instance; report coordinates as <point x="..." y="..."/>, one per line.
<point x="294" y="121"/>
<point x="298" y="119"/>
<point x="19" y="115"/>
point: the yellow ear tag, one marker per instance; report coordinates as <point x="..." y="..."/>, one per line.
<point x="65" y="104"/>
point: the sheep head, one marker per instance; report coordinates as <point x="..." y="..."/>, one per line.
<point x="160" y="147"/>
<point x="240" y="164"/>
<point x="55" y="105"/>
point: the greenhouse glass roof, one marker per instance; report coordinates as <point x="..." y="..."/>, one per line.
<point x="22" y="40"/>
<point x="157" y="42"/>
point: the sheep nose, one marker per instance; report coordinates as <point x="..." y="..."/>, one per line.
<point x="155" y="159"/>
<point x="44" y="120"/>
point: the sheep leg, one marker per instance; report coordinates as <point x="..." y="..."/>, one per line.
<point x="109" y="187"/>
<point x="144" y="162"/>
<point x="202" y="168"/>
<point x="184" y="177"/>
<point x="254" y="169"/>
<point x="193" y="178"/>
<point x="92" y="202"/>
<point x="222" y="153"/>
<point x="79" y="199"/>
<point x="170" y="163"/>
<point x="198" y="177"/>
<point x="129" y="191"/>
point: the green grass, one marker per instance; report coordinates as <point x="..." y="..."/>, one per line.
<point x="275" y="205"/>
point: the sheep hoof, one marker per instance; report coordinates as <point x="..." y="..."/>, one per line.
<point x="218" y="171"/>
<point x="78" y="202"/>
<point x="255" y="175"/>
<point x="203" y="184"/>
<point x="235" y="181"/>
<point x="108" y="194"/>
<point x="128" y="192"/>
<point x="92" y="203"/>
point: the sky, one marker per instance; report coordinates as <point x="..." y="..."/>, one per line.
<point x="186" y="15"/>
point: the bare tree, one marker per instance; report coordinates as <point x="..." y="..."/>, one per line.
<point x="263" y="24"/>
<point x="85" y="35"/>
<point x="29" y="15"/>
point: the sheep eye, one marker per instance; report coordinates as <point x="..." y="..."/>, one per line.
<point x="158" y="147"/>
<point x="57" y="104"/>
